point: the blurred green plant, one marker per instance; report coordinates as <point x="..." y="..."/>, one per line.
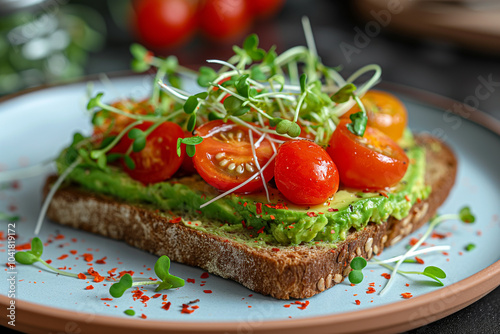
<point x="50" y="43"/>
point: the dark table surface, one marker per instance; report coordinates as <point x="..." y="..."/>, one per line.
<point x="433" y="65"/>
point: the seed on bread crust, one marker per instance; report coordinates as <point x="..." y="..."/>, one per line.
<point x="368" y="244"/>
<point x="321" y="284"/>
<point x="358" y="251"/>
<point x="375" y="250"/>
<point x="329" y="281"/>
<point x="337" y="278"/>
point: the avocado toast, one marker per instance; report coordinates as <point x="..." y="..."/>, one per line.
<point x="275" y="185"/>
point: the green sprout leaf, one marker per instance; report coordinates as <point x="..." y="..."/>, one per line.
<point x="190" y="104"/>
<point x="344" y="94"/>
<point x="164" y="286"/>
<point x="162" y="267"/>
<point x="191" y="150"/>
<point x="466" y="215"/>
<point x="207" y="76"/>
<point x="294" y="130"/>
<point x="136" y="133"/>
<point x="358" y="125"/>
<point x="191" y="124"/>
<point x="179" y="142"/>
<point x="251" y="42"/>
<point x="138" y="51"/>
<point x="303" y="82"/>
<point x="118" y="289"/>
<point x="95" y="101"/>
<point x="242" y="86"/>
<point x="102" y="161"/>
<point x="26" y="257"/>
<point x="470" y="247"/>
<point x="438" y="272"/>
<point x="283" y="126"/>
<point x="139" y="65"/>
<point x="234" y="106"/>
<point x="129" y="162"/>
<point x="36" y="247"/>
<point x="358" y="263"/>
<point x="129" y="312"/>
<point x="257" y="74"/>
<point x="356" y="276"/>
<point x="195" y="140"/>
<point x="139" y="144"/>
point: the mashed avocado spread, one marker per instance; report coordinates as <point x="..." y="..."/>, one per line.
<point x="277" y="222"/>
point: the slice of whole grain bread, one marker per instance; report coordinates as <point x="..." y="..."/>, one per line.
<point x="284" y="272"/>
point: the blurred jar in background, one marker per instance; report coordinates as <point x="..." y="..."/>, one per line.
<point x="43" y="41"/>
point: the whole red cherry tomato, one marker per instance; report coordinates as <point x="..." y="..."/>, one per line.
<point x="305" y="173"/>
<point x="158" y="161"/>
<point x="224" y="159"/>
<point x="165" y="23"/>
<point x="385" y="112"/>
<point x="373" y="161"/>
<point x="224" y="20"/>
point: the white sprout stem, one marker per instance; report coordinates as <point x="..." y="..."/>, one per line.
<point x="279" y="95"/>
<point x="25" y="172"/>
<point x="52" y="191"/>
<point x="370" y="83"/>
<point x="250" y="135"/>
<point x="418" y="252"/>
<point x="432" y="225"/>
<point x="306" y="25"/>
<point x="299" y="105"/>
<point x="224" y="63"/>
<point x="239" y="186"/>
<point x="173" y="91"/>
<point x="290" y="54"/>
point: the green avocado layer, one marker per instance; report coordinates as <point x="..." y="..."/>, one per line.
<point x="274" y="222"/>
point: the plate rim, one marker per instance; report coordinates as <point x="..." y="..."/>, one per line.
<point x="391" y="317"/>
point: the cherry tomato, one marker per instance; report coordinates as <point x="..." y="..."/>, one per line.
<point x="265" y="8"/>
<point x="385" y="112"/>
<point x="114" y="123"/>
<point x="373" y="161"/>
<point x="165" y="23"/>
<point x="158" y="160"/>
<point x="305" y="173"/>
<point x="224" y="20"/>
<point x="224" y="159"/>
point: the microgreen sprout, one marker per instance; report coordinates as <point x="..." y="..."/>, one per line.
<point x="190" y="143"/>
<point x="162" y="267"/>
<point x="465" y="215"/>
<point x="34" y="255"/>
<point x="470" y="247"/>
<point x="129" y="312"/>
<point x="356" y="275"/>
<point x="433" y="272"/>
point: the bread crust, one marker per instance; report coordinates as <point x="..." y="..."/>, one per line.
<point x="291" y="272"/>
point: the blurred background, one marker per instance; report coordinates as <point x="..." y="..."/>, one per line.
<point x="448" y="47"/>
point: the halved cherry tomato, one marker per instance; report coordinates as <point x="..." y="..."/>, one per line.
<point x="265" y="8"/>
<point x="187" y="163"/>
<point x="224" y="20"/>
<point x="373" y="161"/>
<point x="305" y="173"/>
<point x="224" y="159"/>
<point x="385" y="112"/>
<point x="158" y="160"/>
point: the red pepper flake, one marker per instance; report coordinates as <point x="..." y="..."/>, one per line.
<point x="166" y="307"/>
<point x="303" y="305"/>
<point x="164" y="297"/>
<point x="419" y="200"/>
<point x="287" y="305"/>
<point x="144" y="298"/>
<point x="24" y="246"/>
<point x="98" y="279"/>
<point x="73" y="251"/>
<point x="371" y="290"/>
<point x="436" y="235"/>
<point x="59" y="237"/>
<point x="195" y="307"/>
<point x="460" y="253"/>
<point x="245" y="204"/>
<point x="90" y="287"/>
<point x="357" y="302"/>
<point x="384" y="194"/>
<point x="311" y="214"/>
<point x="106" y="298"/>
<point x="407" y="284"/>
<point x="413" y="241"/>
<point x="102" y="261"/>
<point x="62" y="257"/>
<point x="143" y="316"/>
<point x="207" y="291"/>
<point x="191" y="280"/>
<point x="479" y="233"/>
<point x="175" y="220"/>
<point x="291" y="226"/>
<point x="88" y="257"/>
<point x="386" y="275"/>
<point x="121" y="273"/>
<point x="407" y="198"/>
<point x="62" y="268"/>
<point x="275" y="249"/>
<point x="332" y="210"/>
<point x="49" y="261"/>
<point x="406" y="295"/>
<point x="352" y="284"/>
<point x="261" y="230"/>
<point x="74" y="239"/>
<point x="156" y="295"/>
<point x="445" y="253"/>
<point x="82" y="276"/>
<point x="258" y="208"/>
<point x="419" y="260"/>
<point x="204" y="275"/>
<point x="251" y="295"/>
<point x="272" y="217"/>
<point x="371" y="284"/>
